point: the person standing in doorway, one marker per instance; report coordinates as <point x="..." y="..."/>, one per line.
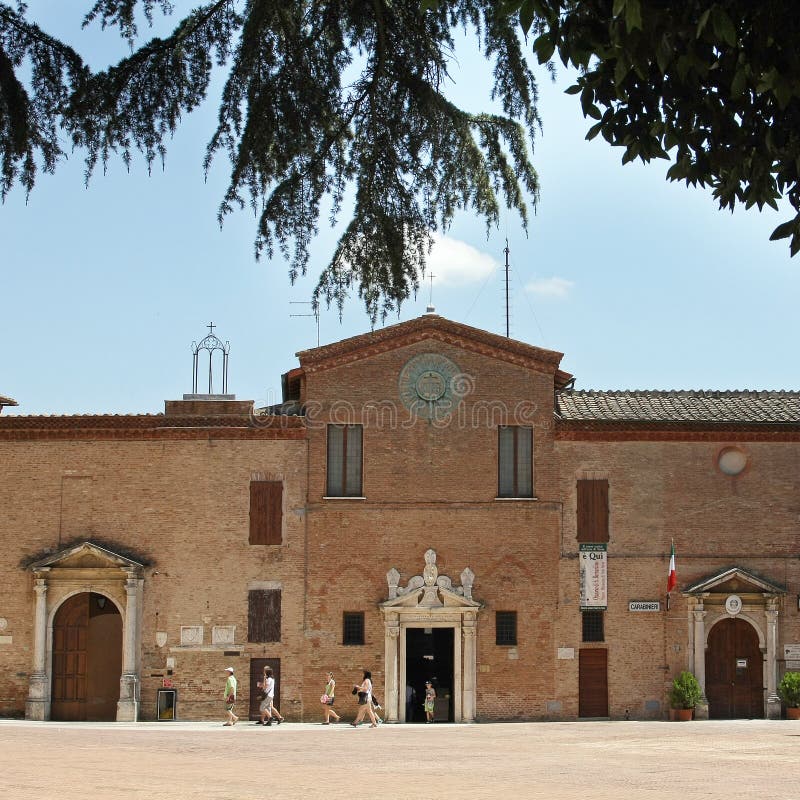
<point x="327" y="701"/>
<point x="230" y="697"/>
<point x="430" y="701"/>
<point x="364" y="692"/>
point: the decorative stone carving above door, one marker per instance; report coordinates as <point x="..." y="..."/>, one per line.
<point x="431" y="600"/>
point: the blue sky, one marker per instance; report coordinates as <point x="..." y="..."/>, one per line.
<point x="639" y="282"/>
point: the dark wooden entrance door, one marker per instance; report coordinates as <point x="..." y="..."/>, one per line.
<point x="592" y="682"/>
<point x="734" y="671"/>
<point x="70" y="659"/>
<point x="256" y="674"/>
<point x="87" y="659"/>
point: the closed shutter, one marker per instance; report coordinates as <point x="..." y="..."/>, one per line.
<point x="264" y="615"/>
<point x="266" y="512"/>
<point x="593" y="510"/>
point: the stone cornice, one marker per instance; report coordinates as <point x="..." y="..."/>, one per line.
<point x="593" y="431"/>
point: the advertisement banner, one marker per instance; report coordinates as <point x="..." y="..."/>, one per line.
<point x="594" y="576"/>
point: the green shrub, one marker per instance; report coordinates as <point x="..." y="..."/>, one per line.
<point x="685" y="692"/>
<point x="789" y="689"/>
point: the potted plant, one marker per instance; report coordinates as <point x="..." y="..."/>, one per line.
<point x="684" y="695"/>
<point x="789" y="692"/>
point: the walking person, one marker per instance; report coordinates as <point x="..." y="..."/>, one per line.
<point x="270" y="713"/>
<point x="430" y="701"/>
<point x="364" y="691"/>
<point x="230" y="697"/>
<point x="327" y="701"/>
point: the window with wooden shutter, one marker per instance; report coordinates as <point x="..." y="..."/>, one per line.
<point x="344" y="461"/>
<point x="515" y="461"/>
<point x="266" y="512"/>
<point x="593" y="510"/>
<point x="264" y="615"/>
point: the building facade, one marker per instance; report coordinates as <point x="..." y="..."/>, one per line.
<point x="430" y="501"/>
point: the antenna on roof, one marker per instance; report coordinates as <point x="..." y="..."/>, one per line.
<point x="314" y="312"/>
<point x="508" y="310"/>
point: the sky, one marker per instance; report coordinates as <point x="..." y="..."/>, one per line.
<point x="641" y="283"/>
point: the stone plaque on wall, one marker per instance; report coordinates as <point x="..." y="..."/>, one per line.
<point x="191" y="635"/>
<point x="223" y="634"/>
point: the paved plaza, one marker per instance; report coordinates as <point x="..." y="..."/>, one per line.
<point x="619" y="760"/>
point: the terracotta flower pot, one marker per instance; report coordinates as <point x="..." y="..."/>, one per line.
<point x="792" y="713"/>
<point x="683" y="714"/>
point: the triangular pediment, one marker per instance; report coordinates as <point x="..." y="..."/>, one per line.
<point x="434" y="328"/>
<point x="86" y="555"/>
<point x="734" y="580"/>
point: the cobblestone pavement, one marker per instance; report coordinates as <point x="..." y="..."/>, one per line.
<point x="619" y="760"/>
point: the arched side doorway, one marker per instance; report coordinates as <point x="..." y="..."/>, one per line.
<point x="108" y="587"/>
<point x="430" y="614"/>
<point x="87" y="659"/>
<point x="734" y="671"/>
<point x="733" y="643"/>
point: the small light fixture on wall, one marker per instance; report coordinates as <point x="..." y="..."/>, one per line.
<point x="101" y="601"/>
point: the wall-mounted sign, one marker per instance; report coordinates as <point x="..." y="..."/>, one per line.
<point x="594" y="576"/>
<point x="741" y="663"/>
<point x="733" y="604"/>
<point x="791" y="652"/>
<point x="644" y="605"/>
<point x="566" y="653"/>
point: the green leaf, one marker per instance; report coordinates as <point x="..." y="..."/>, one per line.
<point x="594" y="130"/>
<point x="620" y="71"/>
<point x="701" y="24"/>
<point x="544" y="47"/>
<point x="526" y="15"/>
<point x="574" y="89"/>
<point x="663" y="53"/>
<point x="633" y="15"/>
<point x="723" y="27"/>
<point x="739" y="83"/>
<point x="619" y="7"/>
<point x="429" y="5"/>
<point x="784" y="230"/>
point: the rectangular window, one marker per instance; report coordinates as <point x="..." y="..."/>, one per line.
<point x="266" y="512"/>
<point x="515" y="461"/>
<point x="593" y="626"/>
<point x="353" y="627"/>
<point x="264" y="615"/>
<point x="505" y="623"/>
<point x="344" y="461"/>
<point x="593" y="510"/>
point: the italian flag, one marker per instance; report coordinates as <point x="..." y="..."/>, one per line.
<point x="672" y="578"/>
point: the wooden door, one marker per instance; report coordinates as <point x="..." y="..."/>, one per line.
<point x="592" y="682"/>
<point x="256" y="674"/>
<point x="734" y="671"/>
<point x="70" y="644"/>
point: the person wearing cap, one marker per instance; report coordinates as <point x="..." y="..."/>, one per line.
<point x="430" y="701"/>
<point x="230" y="697"/>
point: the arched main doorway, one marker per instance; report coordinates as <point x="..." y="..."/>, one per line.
<point x="734" y="671"/>
<point x="87" y="659"/>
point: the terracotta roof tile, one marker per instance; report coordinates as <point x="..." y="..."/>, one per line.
<point x="728" y="407"/>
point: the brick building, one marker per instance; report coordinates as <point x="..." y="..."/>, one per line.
<point x="429" y="501"/>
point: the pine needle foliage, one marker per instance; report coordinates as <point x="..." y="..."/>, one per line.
<point x="325" y="101"/>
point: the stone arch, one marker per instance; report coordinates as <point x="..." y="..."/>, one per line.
<point x="81" y="568"/>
